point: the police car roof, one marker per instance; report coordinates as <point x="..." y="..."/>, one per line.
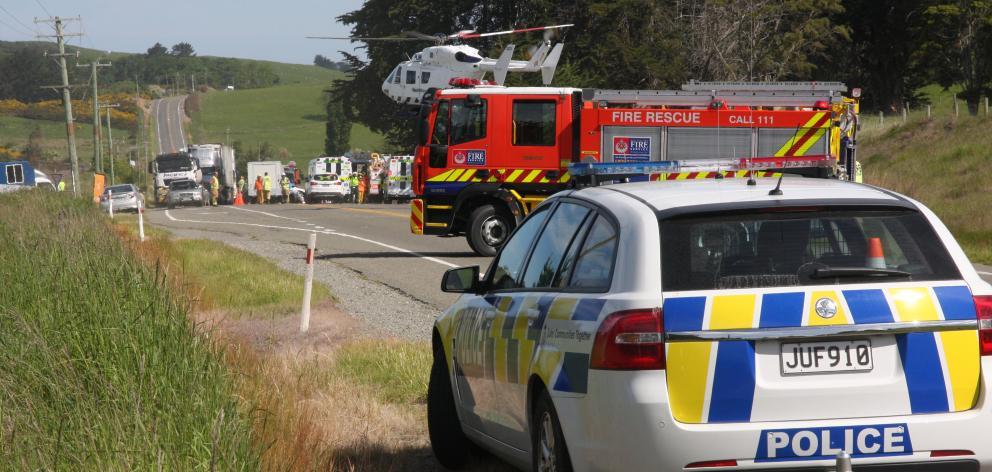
<point x="684" y="193"/>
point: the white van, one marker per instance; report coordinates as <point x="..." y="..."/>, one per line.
<point x="328" y="179"/>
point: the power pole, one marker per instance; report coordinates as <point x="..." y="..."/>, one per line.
<point x="110" y="141"/>
<point x="97" y="146"/>
<point x="70" y="127"/>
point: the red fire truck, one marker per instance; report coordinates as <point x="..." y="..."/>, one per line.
<point x="487" y="154"/>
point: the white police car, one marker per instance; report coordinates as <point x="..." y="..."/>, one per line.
<point x="709" y="325"/>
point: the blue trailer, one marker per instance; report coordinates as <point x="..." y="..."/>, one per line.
<point x="15" y="175"/>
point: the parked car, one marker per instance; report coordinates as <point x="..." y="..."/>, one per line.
<point x="126" y="197"/>
<point x="715" y="325"/>
<point x="187" y="192"/>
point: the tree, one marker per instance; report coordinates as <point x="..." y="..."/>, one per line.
<point x="959" y="46"/>
<point x="338" y="130"/>
<point x="183" y="50"/>
<point x="33" y="151"/>
<point x="157" y="50"/>
<point x="24" y="72"/>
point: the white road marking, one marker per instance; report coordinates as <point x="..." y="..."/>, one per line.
<point x="158" y="123"/>
<point x="179" y="110"/>
<point x="327" y="232"/>
<point x="268" y="214"/>
<point x="984" y="273"/>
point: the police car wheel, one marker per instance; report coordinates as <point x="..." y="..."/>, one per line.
<point x="488" y="230"/>
<point x="448" y="441"/>
<point x="549" y="452"/>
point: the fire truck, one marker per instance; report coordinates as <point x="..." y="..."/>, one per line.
<point x="487" y="154"/>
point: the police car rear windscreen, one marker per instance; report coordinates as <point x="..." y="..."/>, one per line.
<point x="814" y="246"/>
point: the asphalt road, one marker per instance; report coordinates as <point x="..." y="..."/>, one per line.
<point x="168" y="116"/>
<point x="374" y="240"/>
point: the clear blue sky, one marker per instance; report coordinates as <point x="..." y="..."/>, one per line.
<point x="254" y="29"/>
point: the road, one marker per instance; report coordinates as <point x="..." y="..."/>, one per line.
<point x="168" y="115"/>
<point x="373" y="240"/>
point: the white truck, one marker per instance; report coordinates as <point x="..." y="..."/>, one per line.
<point x="217" y="159"/>
<point x="173" y="166"/>
<point x="328" y="178"/>
<point x="259" y="169"/>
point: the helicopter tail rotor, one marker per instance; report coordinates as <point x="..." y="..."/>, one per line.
<point x="549" y="66"/>
<point x="503" y="65"/>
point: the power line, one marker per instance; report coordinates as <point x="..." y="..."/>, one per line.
<point x="66" y="97"/>
<point x="43" y="8"/>
<point x="18" y="20"/>
<point x="14" y="30"/>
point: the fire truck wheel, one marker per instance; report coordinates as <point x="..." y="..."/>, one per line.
<point x="488" y="229"/>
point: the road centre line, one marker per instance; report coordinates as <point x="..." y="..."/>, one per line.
<point x="327" y="232"/>
<point x="378" y="212"/>
<point x="269" y="214"/>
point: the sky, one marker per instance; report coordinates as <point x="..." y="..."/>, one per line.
<point x="254" y="29"/>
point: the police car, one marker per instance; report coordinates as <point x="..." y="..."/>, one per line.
<point x="717" y="325"/>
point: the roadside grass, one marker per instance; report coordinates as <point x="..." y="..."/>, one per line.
<point x="285" y="116"/>
<point x="943" y="163"/>
<point x="396" y="371"/>
<point x="101" y="369"/>
<point x="219" y="277"/>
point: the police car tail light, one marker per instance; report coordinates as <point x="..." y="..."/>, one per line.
<point x="630" y="340"/>
<point x="983" y="305"/>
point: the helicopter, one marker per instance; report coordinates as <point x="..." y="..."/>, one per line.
<point x="448" y="62"/>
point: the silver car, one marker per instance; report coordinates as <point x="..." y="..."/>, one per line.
<point x="125" y="198"/>
<point x="186" y="192"/>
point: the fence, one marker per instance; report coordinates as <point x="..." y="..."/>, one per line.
<point x="876" y="123"/>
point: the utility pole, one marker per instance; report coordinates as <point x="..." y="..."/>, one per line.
<point x="97" y="146"/>
<point x="110" y="141"/>
<point x="70" y="127"/>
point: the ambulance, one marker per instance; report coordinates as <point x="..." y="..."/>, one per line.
<point x="399" y="178"/>
<point x="772" y="323"/>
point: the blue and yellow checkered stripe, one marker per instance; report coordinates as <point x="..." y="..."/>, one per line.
<point x="509" y="353"/>
<point x="711" y="382"/>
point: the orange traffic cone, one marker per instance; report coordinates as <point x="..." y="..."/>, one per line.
<point x="876" y="258"/>
<point x="238" y="201"/>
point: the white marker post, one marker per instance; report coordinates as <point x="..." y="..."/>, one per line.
<point x="308" y="285"/>
<point x="110" y="202"/>
<point x="141" y="221"/>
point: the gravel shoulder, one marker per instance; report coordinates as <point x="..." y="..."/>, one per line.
<point x="383" y="309"/>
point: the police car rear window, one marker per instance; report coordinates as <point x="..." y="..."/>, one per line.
<point x="813" y="246"/>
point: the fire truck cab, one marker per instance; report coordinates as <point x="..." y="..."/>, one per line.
<point x="487" y="155"/>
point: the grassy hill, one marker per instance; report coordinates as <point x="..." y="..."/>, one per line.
<point x="14" y="133"/>
<point x="942" y="162"/>
<point x="289" y="116"/>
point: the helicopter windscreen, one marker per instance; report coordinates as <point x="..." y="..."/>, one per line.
<point x="395" y="74"/>
<point x="462" y="57"/>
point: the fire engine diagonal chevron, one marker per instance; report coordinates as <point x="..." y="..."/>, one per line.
<point x="526" y="176"/>
<point x="731" y="174"/>
<point x="417" y="216"/>
<point x="512" y="337"/>
<point x="717" y="381"/>
<point x="806" y="136"/>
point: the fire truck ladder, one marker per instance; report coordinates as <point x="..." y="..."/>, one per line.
<point x="702" y="94"/>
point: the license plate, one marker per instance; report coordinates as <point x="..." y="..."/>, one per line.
<point x="826" y="356"/>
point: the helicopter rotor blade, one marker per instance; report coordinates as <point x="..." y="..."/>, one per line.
<point x="356" y="38"/>
<point x="439" y="38"/>
<point x="463" y="35"/>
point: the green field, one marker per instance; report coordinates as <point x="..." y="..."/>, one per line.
<point x="286" y="116"/>
<point x="14" y="133"/>
<point x="943" y="163"/>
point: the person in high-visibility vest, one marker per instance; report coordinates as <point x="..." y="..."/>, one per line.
<point x="242" y="186"/>
<point x="259" y="193"/>
<point x="214" y="189"/>
<point x="858" y="172"/>
<point x="267" y="188"/>
<point x="353" y="179"/>
<point x="285" y="188"/>
<point x="62" y="186"/>
<point x="362" y="187"/>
